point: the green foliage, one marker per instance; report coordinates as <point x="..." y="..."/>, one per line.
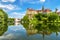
<point x="3" y="28"/>
<point x="42" y="28"/>
<point x="47" y="17"/>
<point x="41" y="18"/>
<point x="25" y="19"/>
<point x="34" y="21"/>
<point x="3" y="17"/>
<point x="43" y="23"/>
<point x="38" y="16"/>
<point x="25" y="25"/>
<point x="52" y="17"/>
<point x="11" y="21"/>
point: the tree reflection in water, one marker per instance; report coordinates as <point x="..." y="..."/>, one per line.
<point x="44" y="29"/>
<point x="3" y="28"/>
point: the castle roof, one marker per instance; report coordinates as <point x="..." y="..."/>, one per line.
<point x="46" y="10"/>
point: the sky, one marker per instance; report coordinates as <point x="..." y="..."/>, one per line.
<point x="17" y="8"/>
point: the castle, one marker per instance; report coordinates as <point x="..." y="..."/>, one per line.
<point x="30" y="12"/>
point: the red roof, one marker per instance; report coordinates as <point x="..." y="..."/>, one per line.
<point x="30" y="9"/>
<point x="39" y="10"/>
<point x="47" y="10"/>
<point x="58" y="12"/>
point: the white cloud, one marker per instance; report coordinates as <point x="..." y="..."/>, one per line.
<point x="9" y="7"/>
<point x="31" y="1"/>
<point x="17" y="15"/>
<point x="42" y="0"/>
<point x="8" y="1"/>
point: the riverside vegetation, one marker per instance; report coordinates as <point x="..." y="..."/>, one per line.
<point x="42" y="23"/>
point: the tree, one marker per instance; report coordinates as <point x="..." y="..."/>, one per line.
<point x="3" y="28"/>
<point x="34" y="21"/>
<point x="25" y="19"/>
<point x="52" y="17"/>
<point x="56" y="10"/>
<point x="39" y="16"/>
<point x="3" y="16"/>
<point x="11" y="21"/>
<point x="44" y="18"/>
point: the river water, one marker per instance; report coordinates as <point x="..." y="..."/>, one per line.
<point x="18" y="32"/>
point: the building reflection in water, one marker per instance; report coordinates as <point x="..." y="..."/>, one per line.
<point x="43" y="29"/>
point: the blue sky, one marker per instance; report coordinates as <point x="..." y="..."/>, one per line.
<point x="17" y="8"/>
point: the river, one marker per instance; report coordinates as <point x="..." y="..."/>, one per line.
<point x="18" y="32"/>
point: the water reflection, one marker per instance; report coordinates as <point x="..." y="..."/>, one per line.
<point x="12" y="32"/>
<point x="27" y="31"/>
<point x="3" y="28"/>
<point x="46" y="31"/>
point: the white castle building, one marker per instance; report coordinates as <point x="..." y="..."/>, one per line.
<point x="17" y="21"/>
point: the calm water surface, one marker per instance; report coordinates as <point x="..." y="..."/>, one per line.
<point x="18" y="32"/>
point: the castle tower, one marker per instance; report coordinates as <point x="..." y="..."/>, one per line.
<point x="42" y="8"/>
